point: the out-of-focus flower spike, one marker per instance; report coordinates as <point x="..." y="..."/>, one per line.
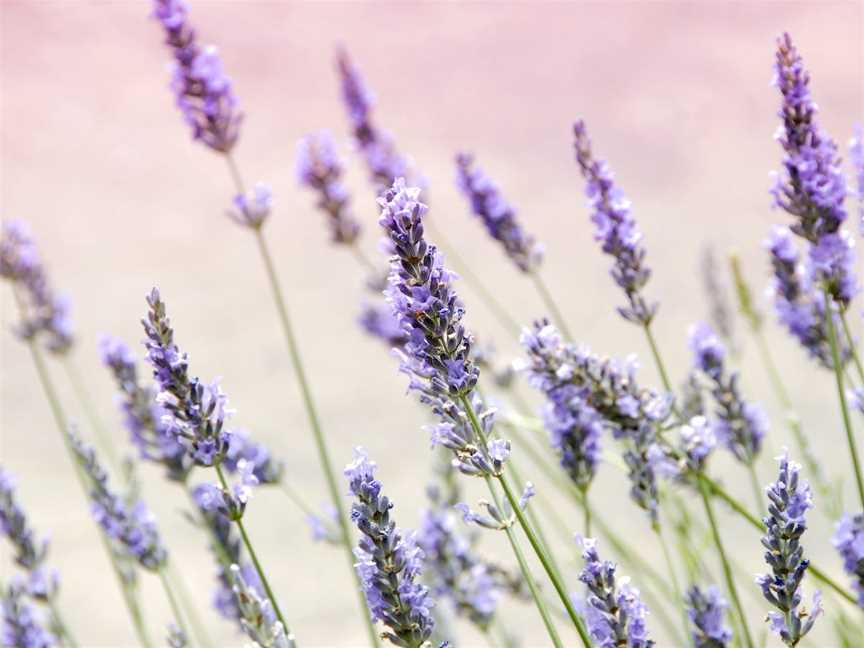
<point x="856" y="155"/>
<point x="848" y="540"/>
<point x="22" y="626"/>
<point x="256" y="615"/>
<point x="706" y="609"/>
<point x="252" y="209"/>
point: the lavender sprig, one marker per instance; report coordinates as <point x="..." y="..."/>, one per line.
<point x="488" y="204"/>
<point x="848" y="540"/>
<point x="741" y="426"/>
<point x="320" y="169"/>
<point x="706" y="609"/>
<point x="789" y="499"/>
<point x="129" y="524"/>
<point x="256" y="615"/>
<point x="43" y="312"/>
<point x="21" y="625"/>
<point x="30" y="552"/>
<point x="616" y="228"/>
<point x="202" y="90"/>
<point x="856" y="155"/>
<point x="614" y="611"/>
<point x="387" y="562"/>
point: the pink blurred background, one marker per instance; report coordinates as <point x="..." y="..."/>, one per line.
<point x="95" y="157"/>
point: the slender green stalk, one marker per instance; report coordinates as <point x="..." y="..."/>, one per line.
<point x="309" y="404"/>
<point x="59" y="625"/>
<point x="188" y="606"/>
<point x="62" y="426"/>
<point x="755" y="486"/>
<point x="658" y="360"/>
<point x="850" y="340"/>
<point x="586" y="509"/>
<point x="254" y="557"/>
<point x="549" y="301"/>
<point x="175" y="608"/>
<point x="673" y="578"/>
<point x="727" y="569"/>
<point x="529" y="532"/>
<point x="841" y="393"/>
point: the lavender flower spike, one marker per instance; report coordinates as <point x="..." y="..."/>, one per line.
<point x="615" y="614"/>
<point x="616" y="228"/>
<point x="202" y="90"/>
<point x="43" y="313"/>
<point x="741" y="425"/>
<point x="788" y="501"/>
<point x="21" y="626"/>
<point x="856" y="155"/>
<point x="848" y="540"/>
<point x="497" y="215"/>
<point x="388" y="563"/>
<point x="129" y="524"/>
<point x="706" y="609"/>
<point x="256" y="615"/>
<point x="320" y="169"/>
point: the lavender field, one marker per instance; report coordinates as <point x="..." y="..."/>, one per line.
<point x="417" y="324"/>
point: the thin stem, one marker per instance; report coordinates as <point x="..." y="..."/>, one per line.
<point x="175" y="608"/>
<point x="841" y="393"/>
<point x="529" y="532"/>
<point x="254" y="557"/>
<point x="306" y="393"/>
<point x="296" y="499"/>
<point x="727" y="569"/>
<point x="658" y="360"/>
<point x="188" y="606"/>
<point x="59" y="625"/>
<point x="549" y="301"/>
<point x="673" y="578"/>
<point x="850" y="339"/>
<point x="757" y="488"/>
<point x="586" y="509"/>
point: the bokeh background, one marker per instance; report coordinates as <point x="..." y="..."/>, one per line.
<point x="677" y="96"/>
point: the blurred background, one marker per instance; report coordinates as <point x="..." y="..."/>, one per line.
<point x="96" y="158"/>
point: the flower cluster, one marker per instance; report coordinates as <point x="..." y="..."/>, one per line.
<point x="788" y="501"/>
<point x="256" y="614"/>
<point x="499" y="217"/>
<point x="856" y="155"/>
<point x="43" y="313"/>
<point x="698" y="440"/>
<point x="384" y="162"/>
<point x="614" y="612"/>
<point x="616" y="228"/>
<point x="202" y="90"/>
<point x="706" y="609"/>
<point x="320" y="169"/>
<point x="128" y="523"/>
<point x="21" y="625"/>
<point x="741" y="426"/>
<point x="143" y="416"/>
<point x="29" y="551"/>
<point x="849" y="541"/>
<point x="609" y="389"/>
<point x="253" y="209"/>
<point x="388" y="563"/>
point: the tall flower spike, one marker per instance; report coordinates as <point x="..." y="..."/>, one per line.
<point x="722" y="315"/>
<point x="706" y="609"/>
<point x="43" y="313"/>
<point x="788" y="501"/>
<point x="320" y="169"/>
<point x="256" y="615"/>
<point x="614" y="613"/>
<point x="848" y="540"/>
<point x="741" y="426"/>
<point x="129" y="524"/>
<point x="490" y="206"/>
<point x="609" y="389"/>
<point x="21" y="625"/>
<point x="201" y="88"/>
<point x="388" y="563"/>
<point x="616" y="228"/>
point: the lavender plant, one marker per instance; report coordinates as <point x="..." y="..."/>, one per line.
<point x="706" y="609"/>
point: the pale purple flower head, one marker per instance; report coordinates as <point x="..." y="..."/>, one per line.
<point x="706" y="610"/>
<point x="388" y="563"/>
<point x="22" y="625"/>
<point x="832" y="264"/>
<point x="856" y="155"/>
<point x="488" y="203"/>
<point x="201" y="88"/>
<point x="615" y="228"/>
<point x="698" y="440"/>
<point x="379" y="321"/>
<point x="320" y="169"/>
<point x="252" y="209"/>
<point x="848" y="540"/>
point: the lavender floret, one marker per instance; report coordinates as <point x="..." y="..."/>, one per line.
<point x="201" y="88"/>
<point x="741" y="426"/>
<point x="252" y="210"/>
<point x="379" y="321"/>
<point x="614" y="612"/>
<point x="698" y="440"/>
<point x="848" y="540"/>
<point x="788" y="501"/>
<point x="616" y="228"/>
<point x="488" y="204"/>
<point x="388" y="563"/>
<point x="21" y="625"/>
<point x="320" y="169"/>
<point x="706" y="609"/>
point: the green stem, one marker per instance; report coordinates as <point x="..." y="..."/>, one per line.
<point x="189" y="607"/>
<point x="254" y="557"/>
<point x="673" y="578"/>
<point x="586" y="509"/>
<point x="529" y="532"/>
<point x="306" y="393"/>
<point x="841" y="393"/>
<point x="59" y="625"/>
<point x="549" y="301"/>
<point x="62" y="426"/>
<point x="754" y="485"/>
<point x="658" y="360"/>
<point x="850" y="339"/>
<point x="727" y="569"/>
<point x="172" y="601"/>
